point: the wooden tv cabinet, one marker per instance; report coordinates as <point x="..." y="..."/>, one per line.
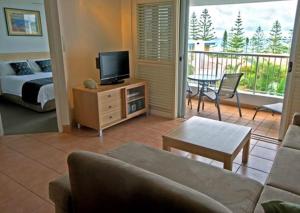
<point x="110" y="104"/>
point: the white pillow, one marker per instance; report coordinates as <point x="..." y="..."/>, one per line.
<point x="34" y="66"/>
<point x="6" y="69"/>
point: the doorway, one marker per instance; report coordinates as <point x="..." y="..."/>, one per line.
<point x="27" y="102"/>
<point x="228" y="38"/>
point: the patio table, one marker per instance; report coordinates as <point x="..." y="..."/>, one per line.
<point x="203" y="82"/>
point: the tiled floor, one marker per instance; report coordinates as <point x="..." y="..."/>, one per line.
<point x="29" y="162"/>
<point x="264" y="124"/>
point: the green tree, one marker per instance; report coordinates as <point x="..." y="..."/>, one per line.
<point x="289" y="40"/>
<point x="237" y="40"/>
<point x="225" y="41"/>
<point x="275" y="40"/>
<point x="247" y="43"/>
<point x="194" y="27"/>
<point x="206" y="27"/>
<point x="258" y="41"/>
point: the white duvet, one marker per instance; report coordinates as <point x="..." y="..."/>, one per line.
<point x="13" y="84"/>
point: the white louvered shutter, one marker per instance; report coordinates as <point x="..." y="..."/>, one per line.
<point x="156" y="52"/>
<point x="155" y="31"/>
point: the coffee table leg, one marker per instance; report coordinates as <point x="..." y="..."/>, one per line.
<point x="228" y="164"/>
<point x="246" y="149"/>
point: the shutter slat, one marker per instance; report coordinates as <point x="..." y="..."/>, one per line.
<point x="154" y="31"/>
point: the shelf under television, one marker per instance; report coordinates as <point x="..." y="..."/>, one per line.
<point x="135" y="98"/>
<point x="141" y="111"/>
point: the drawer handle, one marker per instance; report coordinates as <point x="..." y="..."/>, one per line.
<point x="109" y="107"/>
<point x="109" y="96"/>
<point x="110" y="117"/>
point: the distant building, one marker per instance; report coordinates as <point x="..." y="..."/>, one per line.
<point x="199" y="45"/>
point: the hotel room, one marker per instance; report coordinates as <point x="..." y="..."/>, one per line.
<point x="27" y="101"/>
<point x="136" y="146"/>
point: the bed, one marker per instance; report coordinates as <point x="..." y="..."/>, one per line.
<point x="12" y="89"/>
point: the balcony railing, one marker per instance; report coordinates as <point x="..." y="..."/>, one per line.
<point x="263" y="73"/>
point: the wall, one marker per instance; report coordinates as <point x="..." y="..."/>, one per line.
<point x="292" y="93"/>
<point x="17" y="44"/>
<point x="88" y="27"/>
<point x="127" y="42"/>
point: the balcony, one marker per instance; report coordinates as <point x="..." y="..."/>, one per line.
<point x="263" y="82"/>
<point x="265" y="124"/>
<point x="264" y="74"/>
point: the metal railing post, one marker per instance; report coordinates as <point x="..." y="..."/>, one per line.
<point x="199" y="60"/>
<point x="255" y="78"/>
<point x="217" y="65"/>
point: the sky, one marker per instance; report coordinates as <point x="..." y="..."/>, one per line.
<point x="253" y="15"/>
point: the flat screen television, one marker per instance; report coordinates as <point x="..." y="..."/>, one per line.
<point x="114" y="67"/>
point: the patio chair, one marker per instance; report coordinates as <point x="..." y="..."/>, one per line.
<point x="190" y="94"/>
<point x="274" y="108"/>
<point x="227" y="90"/>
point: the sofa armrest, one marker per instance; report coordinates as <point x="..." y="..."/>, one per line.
<point x="60" y="194"/>
<point x="296" y="119"/>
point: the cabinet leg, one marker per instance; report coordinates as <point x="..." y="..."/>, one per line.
<point x="100" y="132"/>
<point x="78" y="126"/>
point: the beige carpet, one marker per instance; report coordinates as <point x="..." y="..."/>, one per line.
<point x="19" y="120"/>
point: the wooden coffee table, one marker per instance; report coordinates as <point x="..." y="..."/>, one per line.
<point x="213" y="139"/>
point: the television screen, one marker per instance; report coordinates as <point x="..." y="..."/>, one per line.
<point x="114" y="66"/>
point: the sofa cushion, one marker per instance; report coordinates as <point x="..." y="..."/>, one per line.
<point x="103" y="184"/>
<point x="285" y="173"/>
<point x="271" y="193"/>
<point x="60" y="193"/>
<point x="292" y="137"/>
<point x="238" y="193"/>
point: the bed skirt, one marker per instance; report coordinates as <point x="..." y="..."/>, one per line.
<point x="49" y="106"/>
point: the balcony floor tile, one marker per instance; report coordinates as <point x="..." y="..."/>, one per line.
<point x="264" y="124"/>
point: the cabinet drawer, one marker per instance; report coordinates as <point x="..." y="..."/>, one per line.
<point x="110" y="117"/>
<point x="110" y="96"/>
<point x="110" y="106"/>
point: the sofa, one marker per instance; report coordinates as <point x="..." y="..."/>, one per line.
<point x="138" y="178"/>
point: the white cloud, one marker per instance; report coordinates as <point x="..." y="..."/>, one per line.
<point x="253" y="15"/>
